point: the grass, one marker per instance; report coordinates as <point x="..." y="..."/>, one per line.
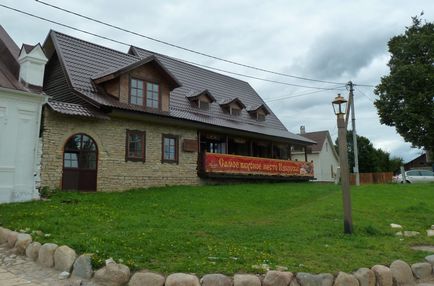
<point x="230" y="228"/>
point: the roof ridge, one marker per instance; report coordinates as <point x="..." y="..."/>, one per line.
<point x="94" y="44"/>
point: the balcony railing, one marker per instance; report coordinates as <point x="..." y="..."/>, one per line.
<point x="213" y="164"/>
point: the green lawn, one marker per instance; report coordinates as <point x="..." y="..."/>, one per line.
<point x="230" y="228"/>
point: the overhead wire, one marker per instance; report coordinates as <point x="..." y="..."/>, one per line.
<point x="184" y="48"/>
<point x="189" y="62"/>
<point x="364" y="94"/>
<point x="298" y="95"/>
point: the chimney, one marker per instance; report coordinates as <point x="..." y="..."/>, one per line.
<point x="302" y="129"/>
<point x="32" y="62"/>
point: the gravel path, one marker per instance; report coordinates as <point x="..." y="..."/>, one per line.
<point x="21" y="270"/>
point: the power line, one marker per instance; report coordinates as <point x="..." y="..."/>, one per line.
<point x="189" y="62"/>
<point x="258" y="78"/>
<point x="183" y="48"/>
<point x="298" y="95"/>
<point x="366" y="85"/>
<point x="364" y="94"/>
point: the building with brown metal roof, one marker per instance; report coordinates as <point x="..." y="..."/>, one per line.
<point x="120" y="120"/>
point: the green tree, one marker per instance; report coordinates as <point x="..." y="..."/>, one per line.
<point x="406" y="95"/>
<point x="371" y="160"/>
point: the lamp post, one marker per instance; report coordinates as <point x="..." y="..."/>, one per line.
<point x="340" y="108"/>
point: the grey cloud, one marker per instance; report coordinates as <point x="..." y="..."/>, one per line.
<point x="334" y="55"/>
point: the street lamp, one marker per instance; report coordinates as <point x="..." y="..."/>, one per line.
<point x="340" y="108"/>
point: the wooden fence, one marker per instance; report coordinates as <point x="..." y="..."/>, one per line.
<point x="372" y="178"/>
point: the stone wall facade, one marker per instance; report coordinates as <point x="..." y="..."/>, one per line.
<point x="114" y="172"/>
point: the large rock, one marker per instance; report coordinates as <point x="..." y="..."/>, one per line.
<point x="345" y="279"/>
<point x="12" y="238"/>
<point x="46" y="254"/>
<point x="146" y="279"/>
<point x="383" y="275"/>
<point x="4" y="235"/>
<point x="246" y="280"/>
<point x="422" y="270"/>
<point x="112" y="275"/>
<point x="401" y="273"/>
<point x="23" y="240"/>
<point x="182" y="279"/>
<point x="32" y="250"/>
<point x="365" y="276"/>
<point x="277" y="278"/>
<point x="430" y="259"/>
<point x="411" y="233"/>
<point x="83" y="267"/>
<point x="64" y="258"/>
<point x="307" y="279"/>
<point x="215" y="280"/>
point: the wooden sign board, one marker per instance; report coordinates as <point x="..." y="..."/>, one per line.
<point x="189" y="145"/>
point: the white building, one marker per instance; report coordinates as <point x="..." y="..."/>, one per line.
<point x="21" y="100"/>
<point x="323" y="154"/>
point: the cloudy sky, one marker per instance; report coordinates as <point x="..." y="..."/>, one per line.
<point x="328" y="40"/>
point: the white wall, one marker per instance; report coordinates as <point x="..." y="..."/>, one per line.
<point x="322" y="162"/>
<point x="328" y="162"/>
<point x="20" y="115"/>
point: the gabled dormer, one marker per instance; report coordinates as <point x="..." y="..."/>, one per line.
<point x="232" y="106"/>
<point x="258" y="112"/>
<point x="32" y="62"/>
<point x="145" y="84"/>
<point x="200" y="99"/>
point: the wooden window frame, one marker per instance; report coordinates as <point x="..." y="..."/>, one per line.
<point x="127" y="146"/>
<point x="231" y="111"/>
<point x="170" y="136"/>
<point x="200" y="105"/>
<point x="259" y="118"/>
<point x="130" y="88"/>
<point x="145" y="93"/>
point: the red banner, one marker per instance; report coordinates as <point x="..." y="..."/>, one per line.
<point x="233" y="164"/>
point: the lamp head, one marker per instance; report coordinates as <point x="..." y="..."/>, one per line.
<point x="339" y="105"/>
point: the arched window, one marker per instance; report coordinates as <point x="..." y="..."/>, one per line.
<point x="80" y="158"/>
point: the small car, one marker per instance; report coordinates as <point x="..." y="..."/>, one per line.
<point x="415" y="176"/>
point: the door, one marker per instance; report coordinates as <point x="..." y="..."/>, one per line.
<point x="80" y="158"/>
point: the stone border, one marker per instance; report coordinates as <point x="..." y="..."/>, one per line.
<point x="65" y="259"/>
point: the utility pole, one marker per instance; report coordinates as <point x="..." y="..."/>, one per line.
<point x="353" y="122"/>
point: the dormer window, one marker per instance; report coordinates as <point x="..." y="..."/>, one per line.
<point x="149" y="96"/>
<point x="232" y="106"/>
<point x="235" y="111"/>
<point x="260" y="116"/>
<point x="200" y="99"/>
<point x="203" y="104"/>
<point x="145" y="83"/>
<point x="259" y="112"/>
<point x="152" y="95"/>
<point x="136" y="92"/>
